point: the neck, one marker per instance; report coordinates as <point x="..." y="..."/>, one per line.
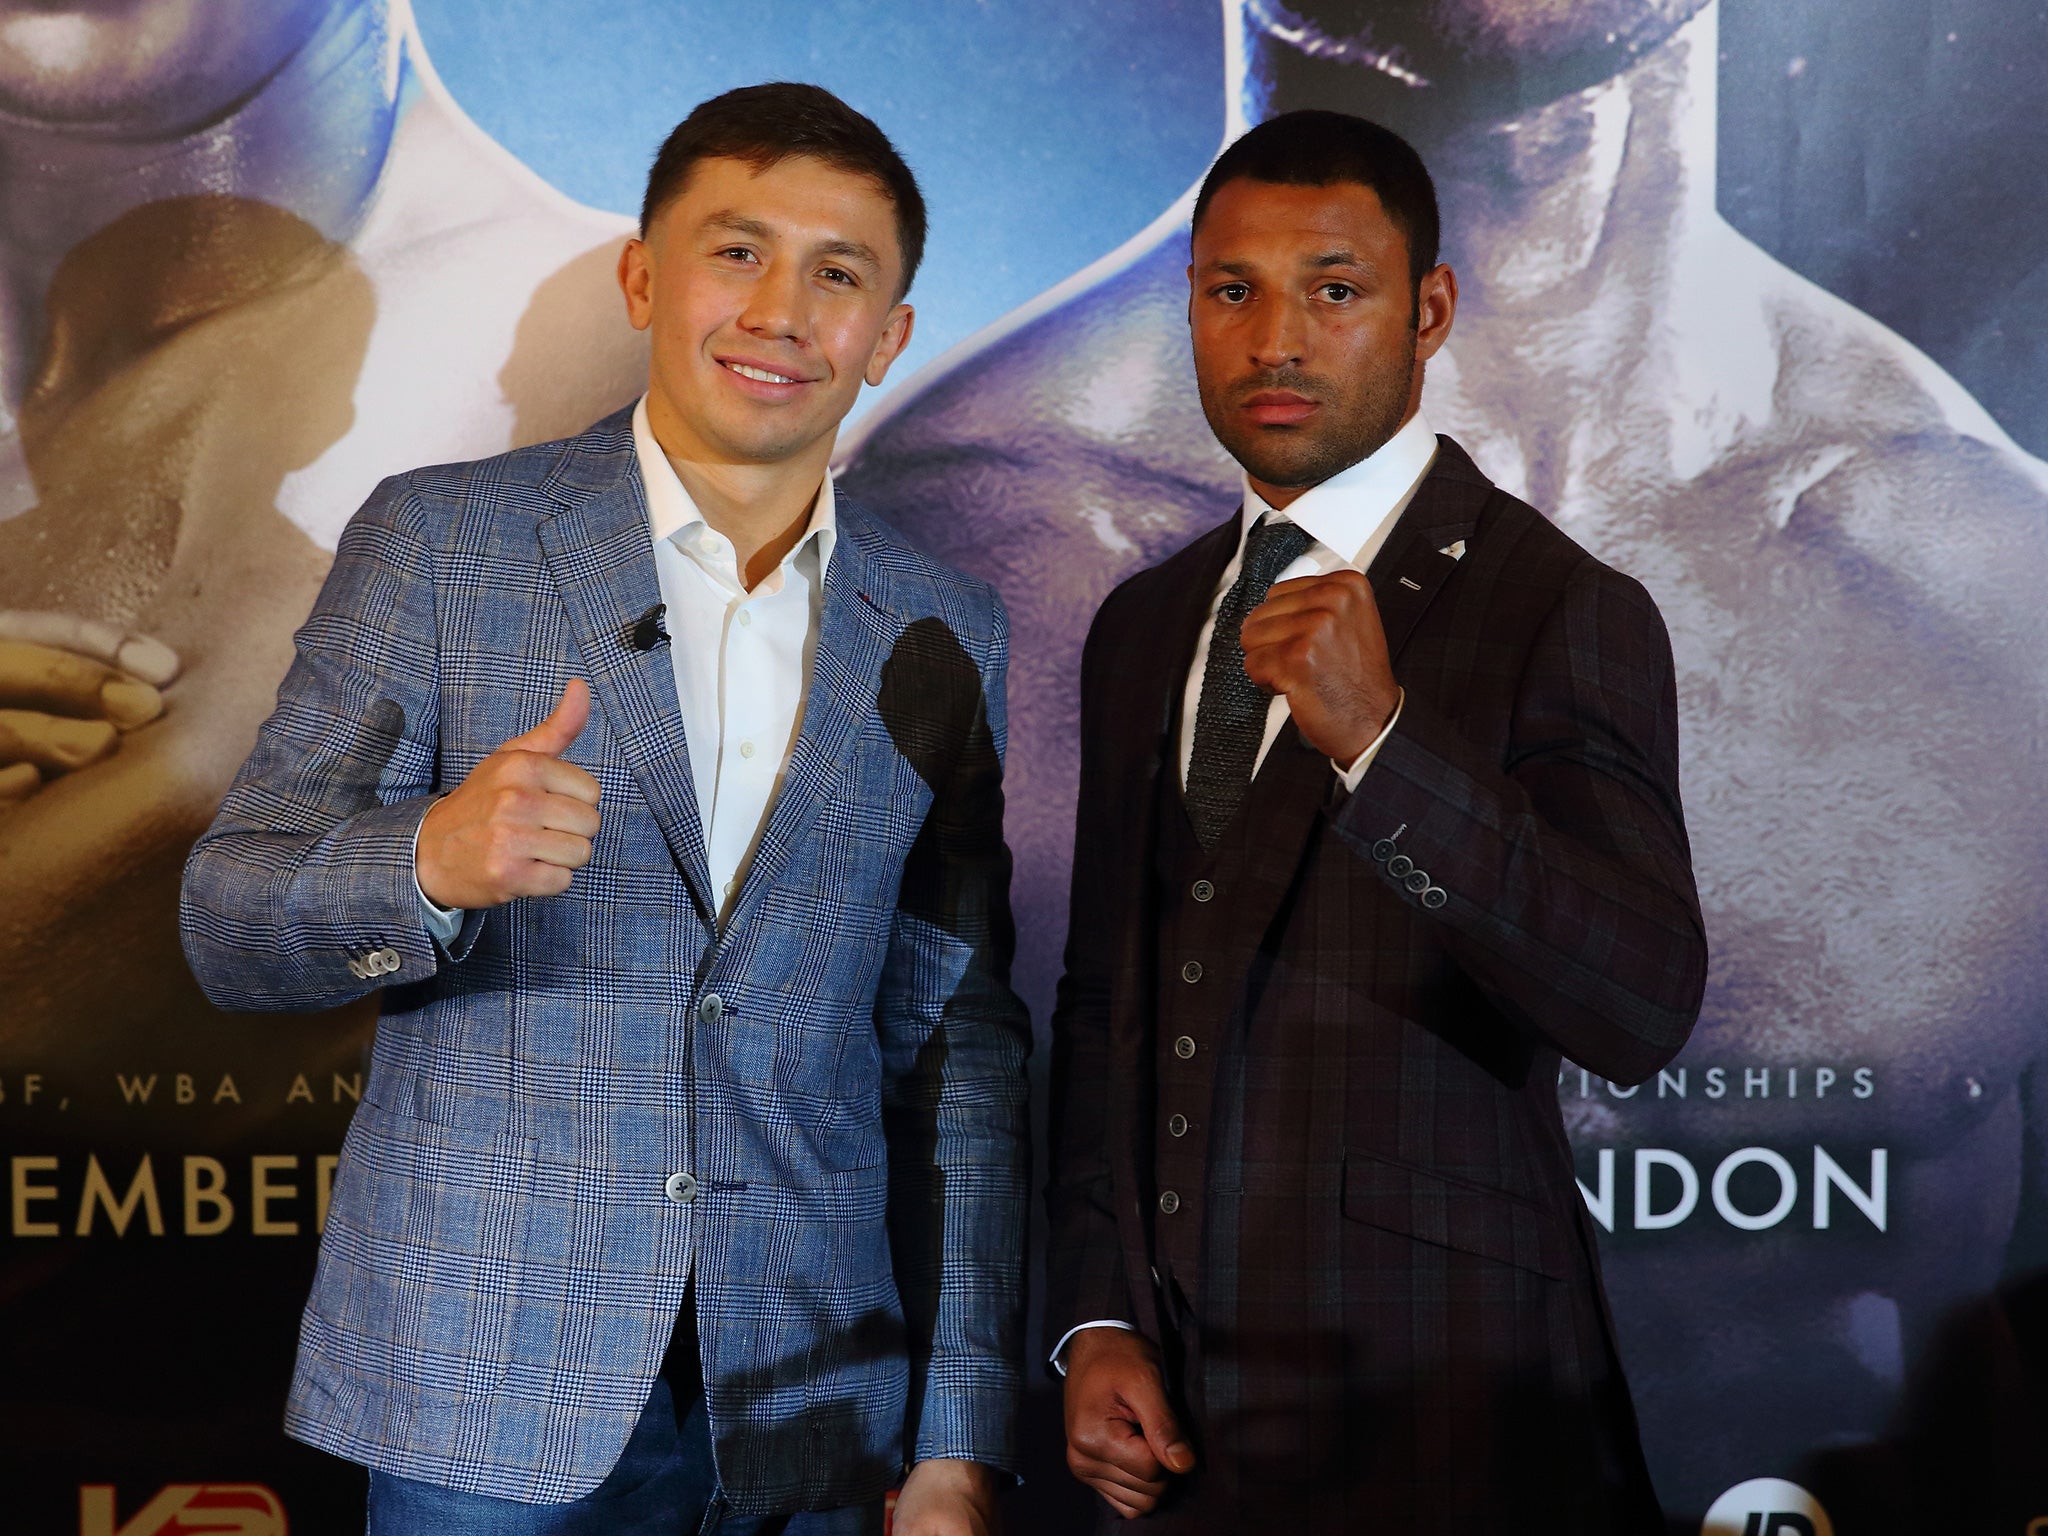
<point x="1565" y="220"/>
<point x="762" y="507"/>
<point x="311" y="140"/>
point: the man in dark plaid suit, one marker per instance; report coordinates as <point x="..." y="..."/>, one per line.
<point x="1379" y="819"/>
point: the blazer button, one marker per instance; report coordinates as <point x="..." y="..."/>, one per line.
<point x="1417" y="881"/>
<point x="1203" y="891"/>
<point x="1434" y="897"/>
<point x="1184" y="1047"/>
<point x="1177" y="1126"/>
<point x="1169" y="1202"/>
<point x="710" y="1008"/>
<point x="1383" y="850"/>
<point x="388" y="961"/>
<point x="680" y="1188"/>
<point x="357" y="969"/>
<point x="1399" y="865"/>
<point x="1191" y="972"/>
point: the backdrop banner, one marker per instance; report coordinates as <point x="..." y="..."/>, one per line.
<point x="1754" y="304"/>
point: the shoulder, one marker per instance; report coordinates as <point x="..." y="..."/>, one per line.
<point x="1522" y="567"/>
<point x="920" y="586"/>
<point x="480" y="507"/>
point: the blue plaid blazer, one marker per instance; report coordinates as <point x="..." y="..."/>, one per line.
<point x="839" y="1070"/>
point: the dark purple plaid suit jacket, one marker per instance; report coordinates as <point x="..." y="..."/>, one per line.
<point x="1399" y="1321"/>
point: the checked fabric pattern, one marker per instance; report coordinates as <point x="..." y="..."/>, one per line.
<point x="836" y="1068"/>
<point x="1230" y="720"/>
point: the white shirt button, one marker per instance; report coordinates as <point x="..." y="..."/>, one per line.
<point x="746" y="749"/>
<point x="746" y="617"/>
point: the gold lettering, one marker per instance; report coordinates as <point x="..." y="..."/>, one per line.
<point x="206" y="1183"/>
<point x="141" y="1191"/>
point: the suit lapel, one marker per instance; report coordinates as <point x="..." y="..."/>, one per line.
<point x="1412" y="565"/>
<point x="599" y="551"/>
<point x="856" y="633"/>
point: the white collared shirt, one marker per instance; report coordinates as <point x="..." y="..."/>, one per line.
<point x="1348" y="516"/>
<point x="742" y="662"/>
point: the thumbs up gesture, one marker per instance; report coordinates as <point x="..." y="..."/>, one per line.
<point x="520" y="825"/>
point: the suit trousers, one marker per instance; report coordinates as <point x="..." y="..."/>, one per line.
<point x="665" y="1483"/>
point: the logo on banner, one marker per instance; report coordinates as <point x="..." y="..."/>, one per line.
<point x="1767" y="1506"/>
<point x="186" y="1509"/>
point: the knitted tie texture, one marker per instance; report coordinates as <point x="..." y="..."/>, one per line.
<point x="1230" y="720"/>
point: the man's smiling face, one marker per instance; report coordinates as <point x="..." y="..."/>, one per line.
<point x="769" y="296"/>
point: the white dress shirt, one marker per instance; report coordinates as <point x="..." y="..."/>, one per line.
<point x="1348" y="518"/>
<point x="742" y="662"/>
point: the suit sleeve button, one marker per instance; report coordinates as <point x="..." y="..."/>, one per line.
<point x="1399" y="865"/>
<point x="1417" y="881"/>
<point x="1383" y="850"/>
<point x="1434" y="897"/>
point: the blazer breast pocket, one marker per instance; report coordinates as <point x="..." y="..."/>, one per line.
<point x="425" y="1250"/>
<point x="1455" y="1213"/>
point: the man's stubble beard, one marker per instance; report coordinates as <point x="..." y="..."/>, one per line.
<point x="1359" y="422"/>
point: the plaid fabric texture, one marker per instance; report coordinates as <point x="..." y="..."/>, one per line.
<point x="1393" y="1316"/>
<point x="840" y="1069"/>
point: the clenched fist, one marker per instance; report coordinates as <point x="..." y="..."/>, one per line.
<point x="1318" y="640"/>
<point x="520" y="825"/>
<point x="1122" y="1438"/>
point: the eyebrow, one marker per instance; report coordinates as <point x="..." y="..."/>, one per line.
<point x="1340" y="258"/>
<point x="846" y="250"/>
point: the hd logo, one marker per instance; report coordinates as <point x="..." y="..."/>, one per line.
<point x="186" y="1509"/>
<point x="1767" y="1506"/>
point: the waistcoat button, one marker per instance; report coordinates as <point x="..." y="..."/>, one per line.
<point x="681" y="1188"/>
<point x="711" y="1008"/>
<point x="1184" y="1047"/>
<point x="1177" y="1126"/>
<point x="1192" y="971"/>
<point x="1169" y="1202"/>
<point x="1203" y="891"/>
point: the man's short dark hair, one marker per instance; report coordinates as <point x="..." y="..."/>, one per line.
<point x="764" y="125"/>
<point x="1321" y="149"/>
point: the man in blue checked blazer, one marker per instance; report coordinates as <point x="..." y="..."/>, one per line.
<point x="660" y="788"/>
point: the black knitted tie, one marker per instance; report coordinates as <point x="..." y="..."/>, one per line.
<point x="1230" y="721"/>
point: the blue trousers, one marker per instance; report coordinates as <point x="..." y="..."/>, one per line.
<point x="664" y="1485"/>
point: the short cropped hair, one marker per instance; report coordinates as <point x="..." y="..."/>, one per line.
<point x="764" y="125"/>
<point x="1321" y="149"/>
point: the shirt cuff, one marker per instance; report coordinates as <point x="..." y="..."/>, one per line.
<point x="1061" y="1348"/>
<point x="442" y="922"/>
<point x="1363" y="761"/>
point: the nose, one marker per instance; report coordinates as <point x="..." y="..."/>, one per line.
<point x="775" y="308"/>
<point x="1279" y="334"/>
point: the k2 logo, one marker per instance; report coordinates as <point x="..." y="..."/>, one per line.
<point x="186" y="1509"/>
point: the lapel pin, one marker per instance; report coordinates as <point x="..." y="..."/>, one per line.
<point x="1412" y="586"/>
<point x="1456" y="551"/>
